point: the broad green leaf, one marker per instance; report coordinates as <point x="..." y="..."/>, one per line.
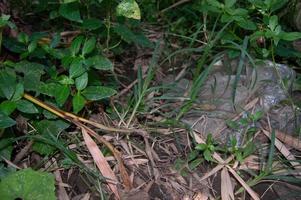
<point x="290" y="36"/>
<point x="230" y="3"/>
<point x="7" y="107"/>
<point x="76" y="68"/>
<point x="32" y="81"/>
<point x="92" y="24"/>
<point x="70" y="11"/>
<point x="247" y="24"/>
<point x="76" y="44"/>
<point x="129" y="9"/>
<point x="129" y="36"/>
<point x="26" y="107"/>
<point x="81" y="81"/>
<point x="48" y="88"/>
<point x="7" y="83"/>
<point x="273" y="22"/>
<point x="215" y="3"/>
<point x="61" y="94"/>
<point x="98" y="92"/>
<point x="143" y="41"/>
<point x="6" y="121"/>
<point x="78" y="103"/>
<point x="99" y="62"/>
<point x="125" y="33"/>
<point x="18" y="92"/>
<point x="26" y="67"/>
<point x="89" y="45"/>
<point x="240" y="11"/>
<point x="27" y="184"/>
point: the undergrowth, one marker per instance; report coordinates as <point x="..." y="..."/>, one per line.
<point x="74" y="55"/>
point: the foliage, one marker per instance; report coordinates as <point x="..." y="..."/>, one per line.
<point x="28" y="185"/>
<point x="72" y="72"/>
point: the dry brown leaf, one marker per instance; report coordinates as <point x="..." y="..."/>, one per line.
<point x="282" y="148"/>
<point x="101" y="162"/>
<point x="200" y="196"/>
<point x="212" y="172"/>
<point x="226" y="185"/>
<point x="86" y="197"/>
<point x="289" y="140"/>
<point x="251" y="192"/>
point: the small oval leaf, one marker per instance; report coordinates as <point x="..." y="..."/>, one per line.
<point x="26" y="107"/>
<point x="98" y="92"/>
<point x="78" y="102"/>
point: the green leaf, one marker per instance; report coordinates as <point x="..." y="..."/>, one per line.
<point x="230" y="3"/>
<point x="32" y="46"/>
<point x="65" y="80"/>
<point x="92" y="24"/>
<point x="69" y="1"/>
<point x="70" y="11"/>
<point x="4" y="20"/>
<point x="98" y="92"/>
<point x="26" y="67"/>
<point x="201" y="147"/>
<point x="6" y="121"/>
<point x="129" y="9"/>
<point x="195" y="163"/>
<point x="99" y="62"/>
<point x="78" y="102"/>
<point x="273" y="22"/>
<point x="76" y="68"/>
<point x="269" y="165"/>
<point x="23" y="38"/>
<point x="56" y="39"/>
<point x="207" y="155"/>
<point x="129" y="36"/>
<point x="32" y="81"/>
<point x="48" y="88"/>
<point x="26" y="107"/>
<point x="291" y="36"/>
<point x="18" y="92"/>
<point x="125" y="33"/>
<point x="76" y="44"/>
<point x="49" y="132"/>
<point x="81" y="81"/>
<point x="7" y="107"/>
<point x="28" y="185"/>
<point x="257" y="115"/>
<point x="247" y="24"/>
<point x="89" y="45"/>
<point x="215" y="3"/>
<point x="7" y="83"/>
<point x="61" y="94"/>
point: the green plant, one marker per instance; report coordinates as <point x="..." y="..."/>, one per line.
<point x="28" y="184"/>
<point x="207" y="148"/>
